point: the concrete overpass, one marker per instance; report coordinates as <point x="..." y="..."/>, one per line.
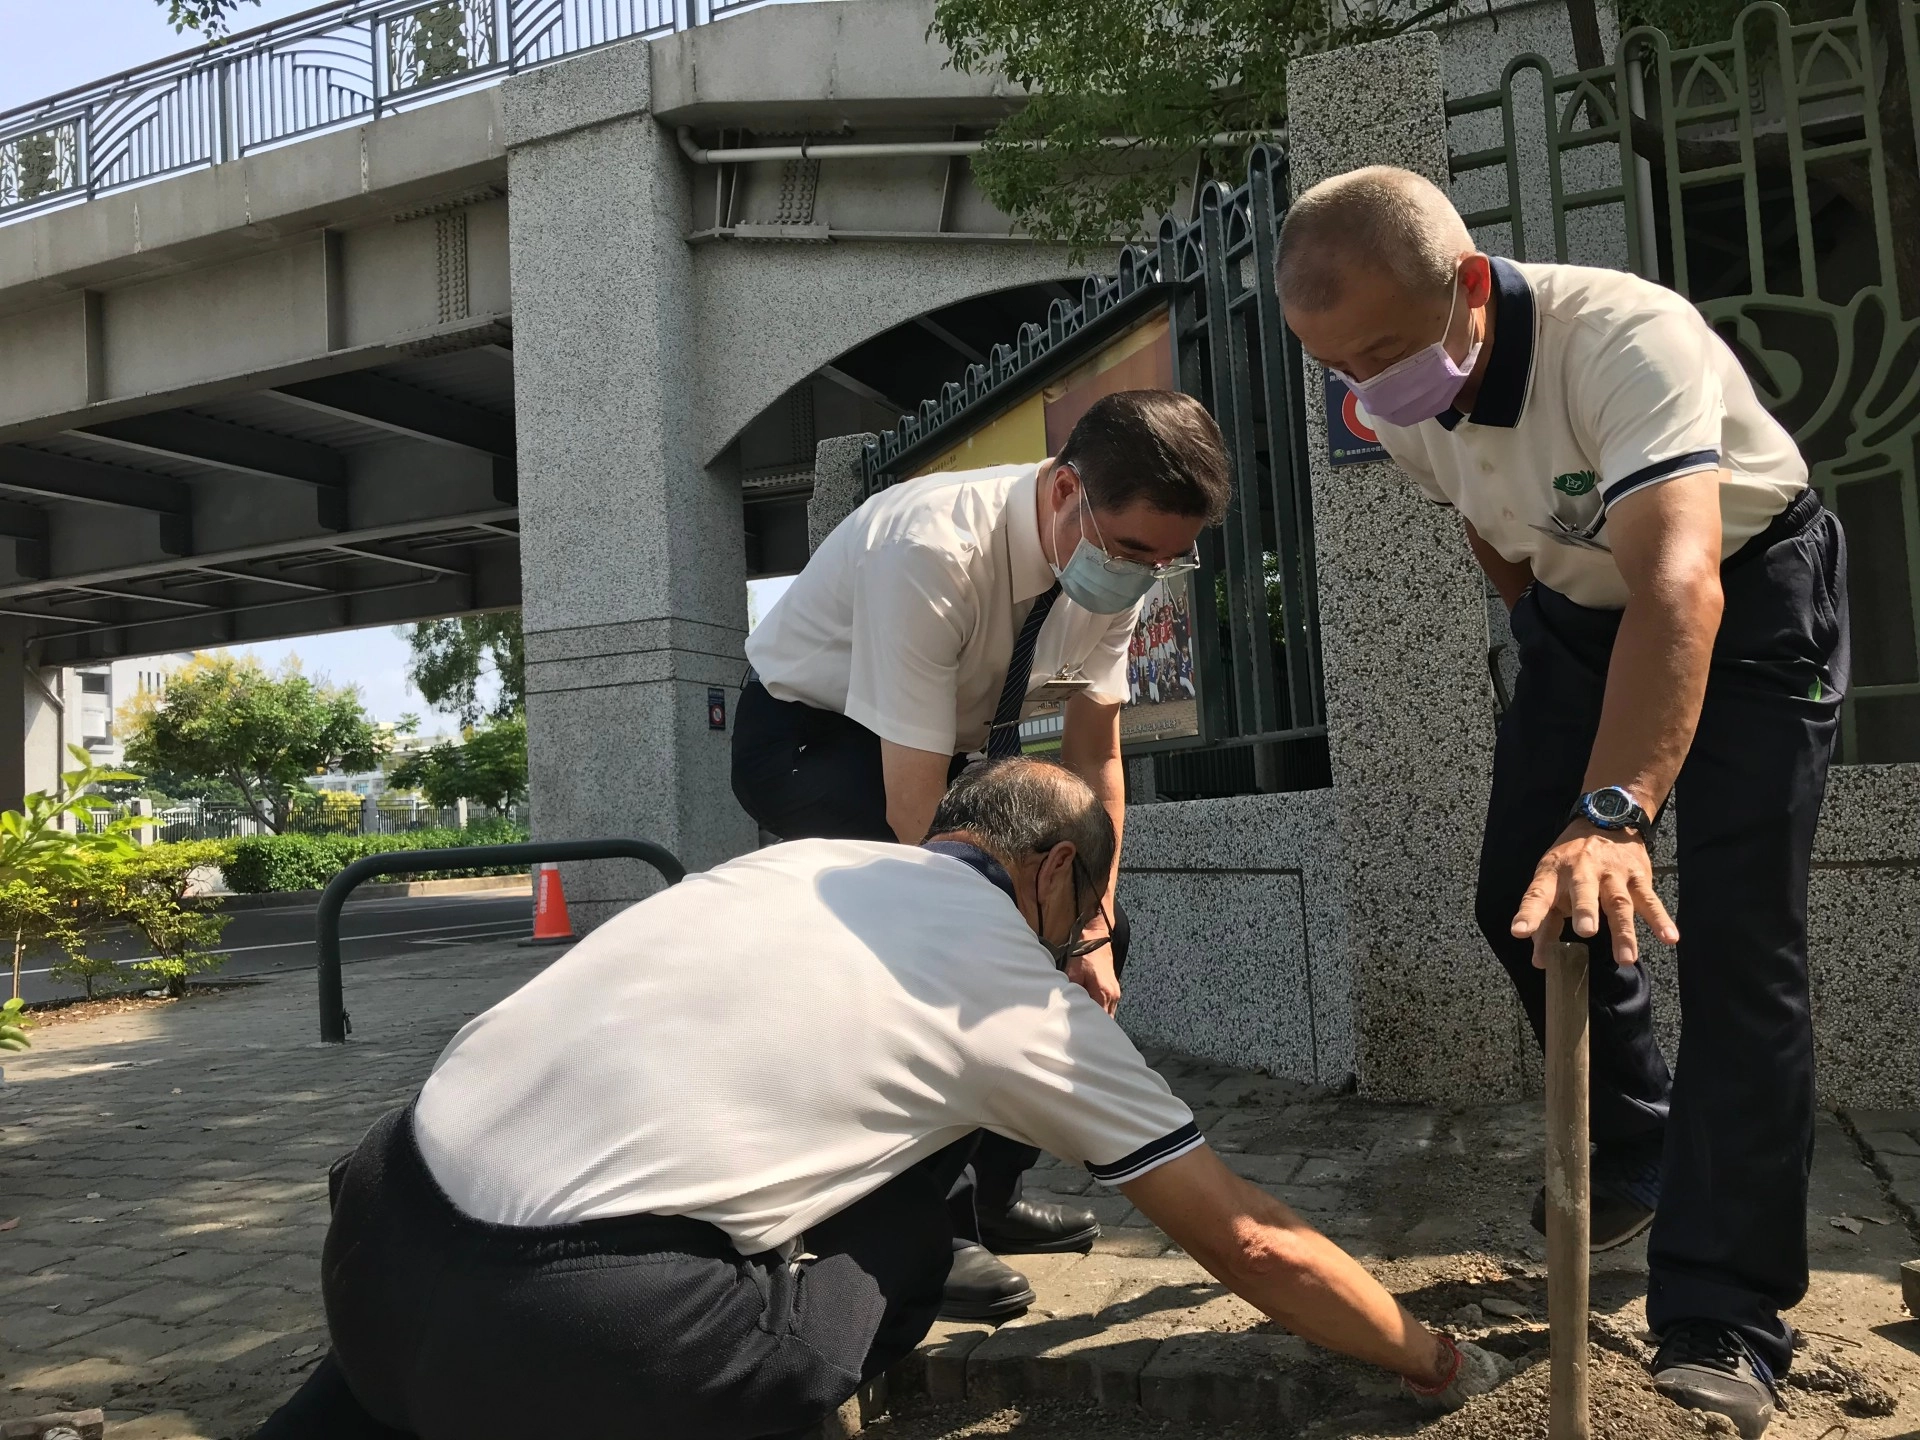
<point x="545" y="333"/>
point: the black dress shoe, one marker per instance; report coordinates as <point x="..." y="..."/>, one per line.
<point x="979" y="1287"/>
<point x="1038" y="1227"/>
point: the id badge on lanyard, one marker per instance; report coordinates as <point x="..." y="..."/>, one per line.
<point x="1061" y="687"/>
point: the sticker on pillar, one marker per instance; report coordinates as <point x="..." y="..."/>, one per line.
<point x="716" y="709"/>
<point x="1349" y="441"/>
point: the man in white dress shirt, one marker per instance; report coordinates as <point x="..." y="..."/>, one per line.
<point x="690" y="1182"/>
<point x="921" y="631"/>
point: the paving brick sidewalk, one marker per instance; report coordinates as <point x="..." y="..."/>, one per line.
<point x="167" y="1168"/>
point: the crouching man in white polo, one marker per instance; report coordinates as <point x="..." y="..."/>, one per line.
<point x="692" y="1180"/>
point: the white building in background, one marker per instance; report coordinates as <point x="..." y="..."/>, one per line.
<point x="78" y="705"/>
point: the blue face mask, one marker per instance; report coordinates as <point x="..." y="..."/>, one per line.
<point x="1103" y="584"/>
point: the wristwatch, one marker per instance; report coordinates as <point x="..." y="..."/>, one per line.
<point x="1612" y="809"/>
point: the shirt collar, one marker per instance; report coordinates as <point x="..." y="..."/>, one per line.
<point x="976" y="860"/>
<point x="1503" y="389"/>
<point x="1027" y="565"/>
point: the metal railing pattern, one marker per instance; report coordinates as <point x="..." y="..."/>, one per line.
<point x="1752" y="175"/>
<point x="338" y="65"/>
<point x="1260" y="660"/>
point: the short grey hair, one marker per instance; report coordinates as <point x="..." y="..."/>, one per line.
<point x="1377" y="218"/>
<point x="1023" y="807"/>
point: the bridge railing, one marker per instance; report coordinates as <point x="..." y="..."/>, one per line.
<point x="340" y="64"/>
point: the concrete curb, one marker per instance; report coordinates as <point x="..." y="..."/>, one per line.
<point x="498" y="885"/>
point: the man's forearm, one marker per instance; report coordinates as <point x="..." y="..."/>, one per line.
<point x="1655" y="685"/>
<point x="915" y="781"/>
<point x="1269" y="1257"/>
<point x="1090" y="747"/>
<point x="1509" y="577"/>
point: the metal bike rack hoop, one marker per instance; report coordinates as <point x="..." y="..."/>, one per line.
<point x="333" y="1006"/>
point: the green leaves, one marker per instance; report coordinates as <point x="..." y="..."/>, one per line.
<point x="261" y="864"/>
<point x="210" y="17"/>
<point x="262" y="733"/>
<point x="490" y="766"/>
<point x="1131" y="100"/>
<point x="450" y="656"/>
<point x="14" y="1024"/>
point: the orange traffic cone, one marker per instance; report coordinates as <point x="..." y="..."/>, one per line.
<point x="550" y="923"/>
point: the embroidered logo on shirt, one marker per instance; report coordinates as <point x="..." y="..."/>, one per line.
<point x="1575" y="482"/>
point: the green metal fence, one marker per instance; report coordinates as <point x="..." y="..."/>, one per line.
<point x="1771" y="178"/>
<point x="1256" y="631"/>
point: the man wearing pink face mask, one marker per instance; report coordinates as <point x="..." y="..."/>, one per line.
<point x="1679" y="598"/>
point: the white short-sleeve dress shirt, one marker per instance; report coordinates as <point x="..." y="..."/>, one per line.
<point x="1600" y="384"/>
<point x="904" y="619"/>
<point x="767" y="1042"/>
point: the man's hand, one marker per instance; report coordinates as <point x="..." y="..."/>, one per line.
<point x="1589" y="871"/>
<point x="1093" y="972"/>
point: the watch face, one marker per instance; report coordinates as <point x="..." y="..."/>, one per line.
<point x="1610" y="804"/>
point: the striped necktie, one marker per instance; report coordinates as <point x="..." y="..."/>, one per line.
<point x="1004" y="738"/>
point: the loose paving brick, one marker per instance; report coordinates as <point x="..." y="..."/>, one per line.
<point x="166" y="1263"/>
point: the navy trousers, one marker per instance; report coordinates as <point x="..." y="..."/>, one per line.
<point x="1730" y="1240"/>
<point x="445" y="1328"/>
<point x="807" y="774"/>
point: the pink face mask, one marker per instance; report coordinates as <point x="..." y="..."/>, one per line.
<point x="1421" y="386"/>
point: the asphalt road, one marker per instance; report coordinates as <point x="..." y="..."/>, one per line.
<point x="265" y="942"/>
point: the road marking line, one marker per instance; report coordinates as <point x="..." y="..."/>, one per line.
<point x="344" y="940"/>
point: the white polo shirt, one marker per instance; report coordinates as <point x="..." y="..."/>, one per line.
<point x="765" y="1043"/>
<point x="905" y="618"/>
<point x="1599" y="385"/>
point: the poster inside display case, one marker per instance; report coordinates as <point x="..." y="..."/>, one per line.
<point x="1162" y="682"/>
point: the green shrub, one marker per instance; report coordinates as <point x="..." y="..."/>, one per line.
<point x="262" y="864"/>
<point x="14" y="1024"/>
<point x="148" y="889"/>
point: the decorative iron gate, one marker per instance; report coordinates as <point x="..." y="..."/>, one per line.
<point x="1263" y="724"/>
<point x="1771" y="179"/>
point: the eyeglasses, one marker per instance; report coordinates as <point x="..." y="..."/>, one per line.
<point x="1119" y="564"/>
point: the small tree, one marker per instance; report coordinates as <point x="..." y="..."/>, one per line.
<point x="490" y="766"/>
<point x="41" y="860"/>
<point x="263" y="734"/>
<point x="148" y="890"/>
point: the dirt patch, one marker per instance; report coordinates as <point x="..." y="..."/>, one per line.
<point x="49" y="1013"/>
<point x="1625" y="1406"/>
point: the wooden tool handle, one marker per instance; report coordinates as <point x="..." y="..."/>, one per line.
<point x="1568" y="1195"/>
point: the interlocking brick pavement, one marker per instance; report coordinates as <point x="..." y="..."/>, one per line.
<point x="168" y="1171"/>
<point x="167" y="1168"/>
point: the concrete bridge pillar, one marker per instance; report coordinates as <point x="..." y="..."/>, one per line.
<point x="632" y="563"/>
<point x="14" y="681"/>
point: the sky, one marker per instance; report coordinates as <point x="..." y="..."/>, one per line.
<point x="47" y="46"/>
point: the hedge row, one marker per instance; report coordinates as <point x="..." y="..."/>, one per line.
<point x="265" y="863"/>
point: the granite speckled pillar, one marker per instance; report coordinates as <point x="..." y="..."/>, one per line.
<point x="1404" y="643"/>
<point x="632" y="552"/>
<point x="839" y="485"/>
<point x="13" y="716"/>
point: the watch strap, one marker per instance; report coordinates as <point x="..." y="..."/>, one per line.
<point x="1636" y="817"/>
